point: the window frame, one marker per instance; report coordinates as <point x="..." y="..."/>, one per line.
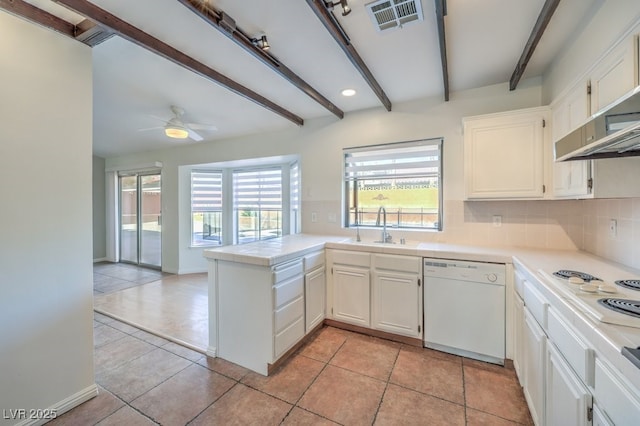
<point x="346" y="182"/>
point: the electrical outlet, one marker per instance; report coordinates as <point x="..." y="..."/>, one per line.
<point x="613" y="228"/>
<point x="314" y="217"/>
<point x="497" y="220"/>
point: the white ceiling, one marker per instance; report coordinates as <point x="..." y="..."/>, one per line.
<point x="485" y="39"/>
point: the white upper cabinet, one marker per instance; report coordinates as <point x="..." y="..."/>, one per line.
<point x="615" y="75"/>
<point x="504" y="154"/>
<point x="570" y="178"/>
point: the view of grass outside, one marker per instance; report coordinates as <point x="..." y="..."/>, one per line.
<point x="409" y="203"/>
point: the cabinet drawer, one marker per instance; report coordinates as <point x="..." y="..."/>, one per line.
<point x="288" y="290"/>
<point x="288" y="314"/>
<point x="613" y="396"/>
<point x="287" y="338"/>
<point x="536" y="304"/>
<point x="572" y="347"/>
<point x="313" y="261"/>
<point x="391" y="262"/>
<point x="351" y="258"/>
<point x="286" y="270"/>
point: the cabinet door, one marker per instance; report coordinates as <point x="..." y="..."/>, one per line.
<point x="615" y="75"/>
<point x="570" y="178"/>
<point x="504" y="155"/>
<point x="351" y="295"/>
<point x="568" y="401"/>
<point x="534" y="371"/>
<point x="518" y="338"/>
<point x="314" y="286"/>
<point x="397" y="303"/>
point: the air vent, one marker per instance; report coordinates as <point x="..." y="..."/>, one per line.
<point x="389" y="14"/>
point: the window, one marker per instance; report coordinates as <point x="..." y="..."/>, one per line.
<point x="404" y="178"/>
<point x="234" y="203"/>
<point x="206" y="207"/>
<point x="257" y="204"/>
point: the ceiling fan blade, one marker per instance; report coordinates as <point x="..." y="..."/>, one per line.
<point x="195" y="136"/>
<point x="197" y="126"/>
<point x="155" y="117"/>
<point x="151" y="128"/>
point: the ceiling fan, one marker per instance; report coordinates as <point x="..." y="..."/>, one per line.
<point x="176" y="128"/>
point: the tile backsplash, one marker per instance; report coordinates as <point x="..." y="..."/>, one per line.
<point x="558" y="224"/>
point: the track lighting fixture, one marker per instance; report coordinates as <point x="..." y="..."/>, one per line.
<point x="345" y="7"/>
<point x="261" y="42"/>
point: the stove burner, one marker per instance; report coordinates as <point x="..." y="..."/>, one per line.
<point x="624" y="306"/>
<point x="631" y="284"/>
<point x="566" y="274"/>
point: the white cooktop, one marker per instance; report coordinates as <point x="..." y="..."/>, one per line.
<point x="587" y="301"/>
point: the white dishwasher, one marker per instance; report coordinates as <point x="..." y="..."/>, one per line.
<point x="464" y="308"/>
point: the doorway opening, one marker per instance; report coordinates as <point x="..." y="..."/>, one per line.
<point x="140" y="218"/>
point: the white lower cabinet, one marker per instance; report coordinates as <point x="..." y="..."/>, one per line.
<point x="600" y="418"/>
<point x="615" y="397"/>
<point x="351" y="295"/>
<point x="377" y="291"/>
<point x="314" y="291"/>
<point x="535" y="342"/>
<point x="518" y="338"/>
<point x="397" y="303"/>
<point x="567" y="400"/>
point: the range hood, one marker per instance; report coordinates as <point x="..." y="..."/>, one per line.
<point x="613" y="132"/>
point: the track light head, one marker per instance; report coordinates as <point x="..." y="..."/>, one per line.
<point x="345" y="7"/>
<point x="261" y="42"/>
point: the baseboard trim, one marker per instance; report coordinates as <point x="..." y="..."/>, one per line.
<point x="65" y="405"/>
<point x="191" y="271"/>
<point x="211" y="352"/>
<point x="102" y="259"/>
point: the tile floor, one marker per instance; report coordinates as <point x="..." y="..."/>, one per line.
<point x="338" y="377"/>
<point x="175" y="307"/>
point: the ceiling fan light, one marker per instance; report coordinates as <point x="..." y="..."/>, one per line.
<point x="176" y="132"/>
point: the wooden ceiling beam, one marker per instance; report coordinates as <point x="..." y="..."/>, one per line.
<point x="38" y="16"/>
<point x="147" y="41"/>
<point x="441" y="12"/>
<point x="546" y="13"/>
<point x="215" y="19"/>
<point x="331" y="24"/>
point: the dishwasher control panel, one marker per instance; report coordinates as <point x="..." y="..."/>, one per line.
<point x="491" y="273"/>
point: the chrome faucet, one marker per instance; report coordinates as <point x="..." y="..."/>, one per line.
<point x="385" y="238"/>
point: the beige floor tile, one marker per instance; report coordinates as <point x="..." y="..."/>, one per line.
<point x="116" y="353"/>
<point x="289" y="381"/>
<point x="344" y="396"/>
<point x="141" y="374"/>
<point x="183" y="352"/>
<point x="104" y="334"/>
<point x="365" y="355"/>
<point x="91" y="411"/>
<point x="402" y="406"/>
<point x="479" y="418"/>
<point x="300" y="417"/>
<point x="244" y="406"/>
<point x="126" y="416"/>
<point x="183" y="396"/>
<point x="324" y="345"/>
<point x="224" y="367"/>
<point x="495" y="393"/>
<point x="436" y="376"/>
<point x="150" y="338"/>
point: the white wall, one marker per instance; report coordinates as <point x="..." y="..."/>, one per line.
<point x="320" y="143"/>
<point x="46" y="296"/>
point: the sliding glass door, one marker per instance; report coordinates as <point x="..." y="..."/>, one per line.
<point x="141" y="219"/>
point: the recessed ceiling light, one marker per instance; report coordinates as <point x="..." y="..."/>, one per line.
<point x="348" y="92"/>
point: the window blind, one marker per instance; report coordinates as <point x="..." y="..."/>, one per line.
<point x="257" y="189"/>
<point x="402" y="160"/>
<point x="206" y="191"/>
